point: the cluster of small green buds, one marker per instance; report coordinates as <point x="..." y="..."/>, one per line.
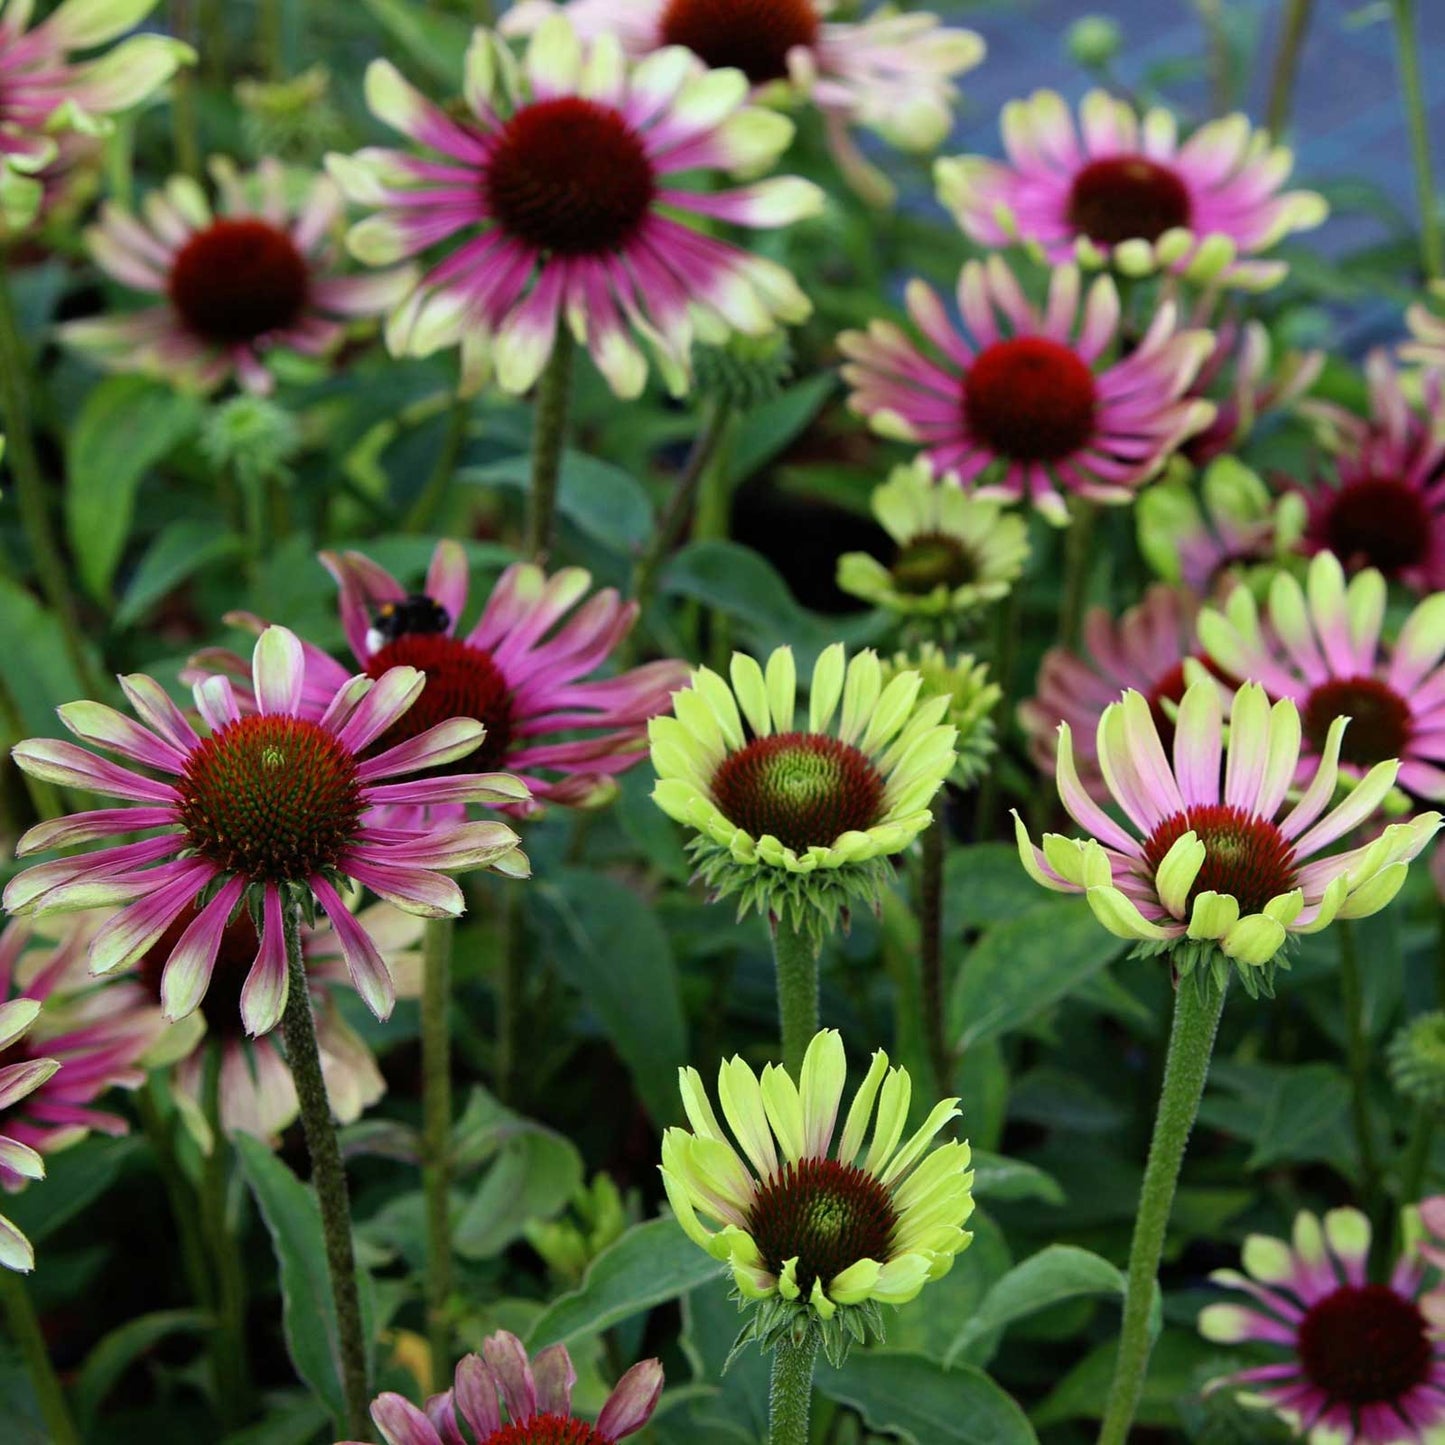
<point x="745" y="371"/>
<point x="1416" y="1060"/>
<point x="972" y="698"/>
<point x="253" y="438"/>
<point x="597" y="1216"/>
<point x="293" y="120"/>
<point x="1094" y="41"/>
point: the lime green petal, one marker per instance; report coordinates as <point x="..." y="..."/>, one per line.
<point x="949" y="1161"/>
<point x="785" y="1111"/>
<point x="854" y="1284"/>
<point x="1214" y="915"/>
<point x="1254" y="940"/>
<point x="715" y="1167"/>
<point x="681" y="1201"/>
<point x="892" y="1114"/>
<point x="1269" y="1260"/>
<point x="753" y="1281"/>
<point x="901" y="1279"/>
<point x="825" y="1071"/>
<point x="1119" y="915"/>
<point x="818" y="1298"/>
<point x="1177" y="871"/>
<point x="742" y="1105"/>
<point x="782" y="684"/>
<point x="788" y="1279"/>
<point x="827" y="688"/>
<point x="1372" y="896"/>
<point x="1347" y="1231"/>
<point x="1334" y="895"/>
<point x="1286" y="907"/>
<point x="1226" y="1324"/>
<point x="894" y="706"/>
<point x="715" y="692"/>
<point x="855" y="1127"/>
<point x="751" y="691"/>
<point x="1308" y="1238"/>
<point x="697" y="1106"/>
<point x="913" y="1150"/>
<point x="861" y="688"/>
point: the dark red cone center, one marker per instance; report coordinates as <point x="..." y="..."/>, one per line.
<point x="569" y="176"/>
<point x="805" y="789"/>
<point x="753" y="36"/>
<point x="1122" y="198"/>
<point x="238" y="280"/>
<point x="1245" y="856"/>
<point x="1364" y="1345"/>
<point x="545" y="1430"/>
<point x="1379" y="522"/>
<point x="826" y="1214"/>
<point x="932" y="561"/>
<point x="1379" y="717"/>
<point x="1030" y="399"/>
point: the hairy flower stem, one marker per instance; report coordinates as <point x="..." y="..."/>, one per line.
<point x="1415" y="1164"/>
<point x="185" y="128"/>
<point x="511" y="983"/>
<point x="16" y="406"/>
<point x="1077" y="557"/>
<point x="790" y="1399"/>
<point x="26" y="1333"/>
<point x="1286" y="65"/>
<point x="1407" y="44"/>
<point x="436" y="1105"/>
<point x="930" y="925"/>
<point x="1008" y="620"/>
<point x="180" y="1196"/>
<point x="1191" y="1043"/>
<point x="797" y="965"/>
<point x="429" y="502"/>
<point x="548" y="436"/>
<point x="328" y="1176"/>
<point x="1352" y="997"/>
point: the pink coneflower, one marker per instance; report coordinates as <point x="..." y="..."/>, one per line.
<point x="17" y="1081"/>
<point x="1023" y="403"/>
<point x="537" y="1396"/>
<point x="97" y="1033"/>
<point x="1386" y="505"/>
<point x="267" y="808"/>
<point x="256" y="1092"/>
<point x="258" y="274"/>
<point x="559" y="185"/>
<point x="1120" y="190"/>
<point x="889" y="73"/>
<point x="1144" y="650"/>
<point x="1321" y="646"/>
<point x="1364" y="1364"/>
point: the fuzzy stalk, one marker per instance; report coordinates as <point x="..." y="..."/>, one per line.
<point x="797" y="966"/>
<point x="1412" y="88"/>
<point x="511" y="985"/>
<point x="1415" y="1164"/>
<point x="1077" y="557"/>
<point x="1008" y="620"/>
<point x="1286" y="64"/>
<point x="328" y="1176"/>
<point x="1191" y="1044"/>
<point x="549" y="435"/>
<point x="180" y="1196"/>
<point x="185" y="125"/>
<point x="429" y="501"/>
<point x="930" y="952"/>
<point x="436" y="1107"/>
<point x="1357" y="1055"/>
<point x="26" y="1332"/>
<point x="790" y="1398"/>
<point x="229" y="1354"/>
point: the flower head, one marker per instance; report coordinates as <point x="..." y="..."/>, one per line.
<point x="268" y="809"/>
<point x="889" y="73"/>
<point x="955" y="553"/>
<point x="798" y="821"/>
<point x="1362" y="1363"/>
<point x="1023" y="403"/>
<point x="1217" y="874"/>
<point x="18" y="1080"/>
<point x="972" y="699"/>
<point x="1121" y="190"/>
<point x="805" y="1224"/>
<point x="558" y="186"/>
<point x="1416" y="1058"/>
<point x="259" y="273"/>
<point x="536" y="1394"/>
<point x="1320" y="645"/>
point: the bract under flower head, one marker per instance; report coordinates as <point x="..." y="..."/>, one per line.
<point x="807" y="1226"/>
<point x="972" y="699"/>
<point x="955" y="553"/>
<point x="1122" y="191"/>
<point x="269" y="809"/>
<point x="1022" y="403"/>
<point x="797" y="821"/>
<point x="1215" y="872"/>
<point x="18" y="1081"/>
<point x="557" y="184"/>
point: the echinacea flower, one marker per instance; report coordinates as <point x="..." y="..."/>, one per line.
<point x="955" y="552"/>
<point x="537" y="1395"/>
<point x="1363" y="1363"/>
<point x="799" y="820"/>
<point x="972" y="699"/>
<point x="890" y="73"/>
<point x="17" y="1081"/>
<point x="1426" y="325"/>
<point x="97" y="1033"/>
<point x="804" y="1224"/>
<point x="1321" y="646"/>
<point x="269" y="810"/>
<point x="44" y="89"/>
<point x="1230" y="529"/>
<point x="1144" y="649"/>
<point x="1217" y="873"/>
<point x="259" y="272"/>
<point x="1024" y="404"/>
<point x="560" y="185"/>
<point x="1121" y="190"/>
<point x="255" y="1091"/>
<point x="1385" y="506"/>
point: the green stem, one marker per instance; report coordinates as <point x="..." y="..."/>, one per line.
<point x="1407" y="43"/>
<point x="1352" y="998"/>
<point x="930" y="926"/>
<point x="436" y="1103"/>
<point x="1008" y="618"/>
<point x="1077" y="558"/>
<point x="26" y="1332"/>
<point x="790" y="1399"/>
<point x="229" y="1354"/>
<point x="511" y="980"/>
<point x="1286" y="65"/>
<point x="548" y="437"/>
<point x="1416" y="1161"/>
<point x="185" y="127"/>
<point x="1211" y="12"/>
<point x="179" y="1196"/>
<point x="1440" y="955"/>
<point x="797" y="965"/>
<point x="212" y="24"/>
<point x="328" y="1176"/>
<point x="1191" y="1042"/>
<point x="44" y="797"/>
<point x="270" y="39"/>
<point x="15" y="403"/>
<point x="424" y="510"/>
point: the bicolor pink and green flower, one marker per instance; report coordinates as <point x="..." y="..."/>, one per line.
<point x="18" y="1080"/>
<point x="1026" y="403"/>
<point x="559" y="194"/>
<point x="1117" y="189"/>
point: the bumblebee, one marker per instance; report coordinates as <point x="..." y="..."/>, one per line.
<point x="413" y="615"/>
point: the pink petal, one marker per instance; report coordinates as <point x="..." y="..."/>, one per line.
<point x="632" y="1402"/>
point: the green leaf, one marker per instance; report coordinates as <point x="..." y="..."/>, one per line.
<point x="985" y="883"/>
<point x="39" y="676"/>
<point x="74" y="1180"/>
<point x="769" y="430"/>
<point x="118" y="1350"/>
<point x="1023" y="966"/>
<point x="532" y="1178"/>
<point x="610" y="947"/>
<point x="126" y="426"/>
<point x="296" y="1420"/>
<point x="995" y="1177"/>
<point x="437" y="42"/>
<point x="308" y="1313"/>
<point x="651" y="1263"/>
<point x="1174" y="1370"/>
<point x="178" y="552"/>
<point x="922" y="1403"/>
